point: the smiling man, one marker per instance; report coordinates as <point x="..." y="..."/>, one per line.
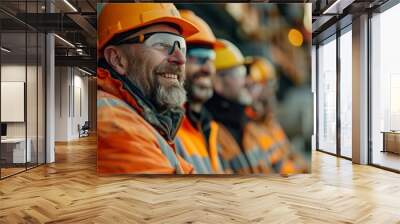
<point x="141" y="70"/>
<point x="196" y="140"/>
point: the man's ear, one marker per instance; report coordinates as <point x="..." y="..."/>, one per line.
<point x="117" y="59"/>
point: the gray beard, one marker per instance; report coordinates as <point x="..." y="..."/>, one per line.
<point x="169" y="97"/>
<point x="162" y="97"/>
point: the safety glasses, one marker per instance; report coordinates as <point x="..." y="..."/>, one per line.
<point x="201" y="55"/>
<point x="162" y="41"/>
<point x="238" y="72"/>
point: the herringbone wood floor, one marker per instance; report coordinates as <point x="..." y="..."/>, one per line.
<point x="70" y="191"/>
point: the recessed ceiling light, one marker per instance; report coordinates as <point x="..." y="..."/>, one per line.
<point x="70" y="5"/>
<point x="65" y="41"/>
<point x="5" y="50"/>
<point x="84" y="71"/>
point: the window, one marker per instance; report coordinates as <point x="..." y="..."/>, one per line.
<point x="346" y="94"/>
<point x="385" y="89"/>
<point x="327" y="96"/>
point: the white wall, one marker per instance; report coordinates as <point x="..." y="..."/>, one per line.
<point x="71" y="94"/>
<point x="61" y="103"/>
<point x="12" y="101"/>
<point x="13" y="72"/>
<point x="80" y="102"/>
<point x="16" y="73"/>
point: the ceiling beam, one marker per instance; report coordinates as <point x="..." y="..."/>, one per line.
<point x="337" y="7"/>
<point x="86" y="26"/>
<point x="82" y="61"/>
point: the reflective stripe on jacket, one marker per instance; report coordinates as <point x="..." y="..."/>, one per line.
<point x="274" y="148"/>
<point x="261" y="152"/>
<point x="192" y="146"/>
<point x="232" y="158"/>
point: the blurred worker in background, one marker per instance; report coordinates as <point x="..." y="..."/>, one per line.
<point x="196" y="140"/>
<point x="264" y="128"/>
<point x="140" y="87"/>
<point x="227" y="106"/>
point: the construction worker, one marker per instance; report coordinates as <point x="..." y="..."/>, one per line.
<point x="196" y="140"/>
<point x="140" y="88"/>
<point x="227" y="106"/>
<point x="261" y="84"/>
<point x="264" y="128"/>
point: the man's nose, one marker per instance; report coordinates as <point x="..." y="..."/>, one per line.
<point x="177" y="56"/>
<point x="208" y="67"/>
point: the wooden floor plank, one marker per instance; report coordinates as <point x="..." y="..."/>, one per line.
<point x="70" y="191"/>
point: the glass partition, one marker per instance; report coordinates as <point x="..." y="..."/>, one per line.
<point x="15" y="151"/>
<point x="22" y="90"/>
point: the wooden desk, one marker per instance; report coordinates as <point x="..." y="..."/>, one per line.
<point x="391" y="141"/>
<point x="13" y="150"/>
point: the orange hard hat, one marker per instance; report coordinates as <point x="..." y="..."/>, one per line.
<point x="116" y="18"/>
<point x="205" y="34"/>
<point x="260" y="69"/>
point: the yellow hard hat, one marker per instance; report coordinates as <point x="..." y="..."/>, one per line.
<point x="228" y="56"/>
<point x="205" y="34"/>
<point x="116" y="18"/>
<point x="261" y="70"/>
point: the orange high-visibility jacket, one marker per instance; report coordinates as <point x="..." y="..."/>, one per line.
<point x="127" y="143"/>
<point x="193" y="146"/>
<point x="231" y="155"/>
<point x="274" y="148"/>
<point x="235" y="156"/>
<point x="298" y="162"/>
<point x="250" y="157"/>
<point x="264" y="150"/>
